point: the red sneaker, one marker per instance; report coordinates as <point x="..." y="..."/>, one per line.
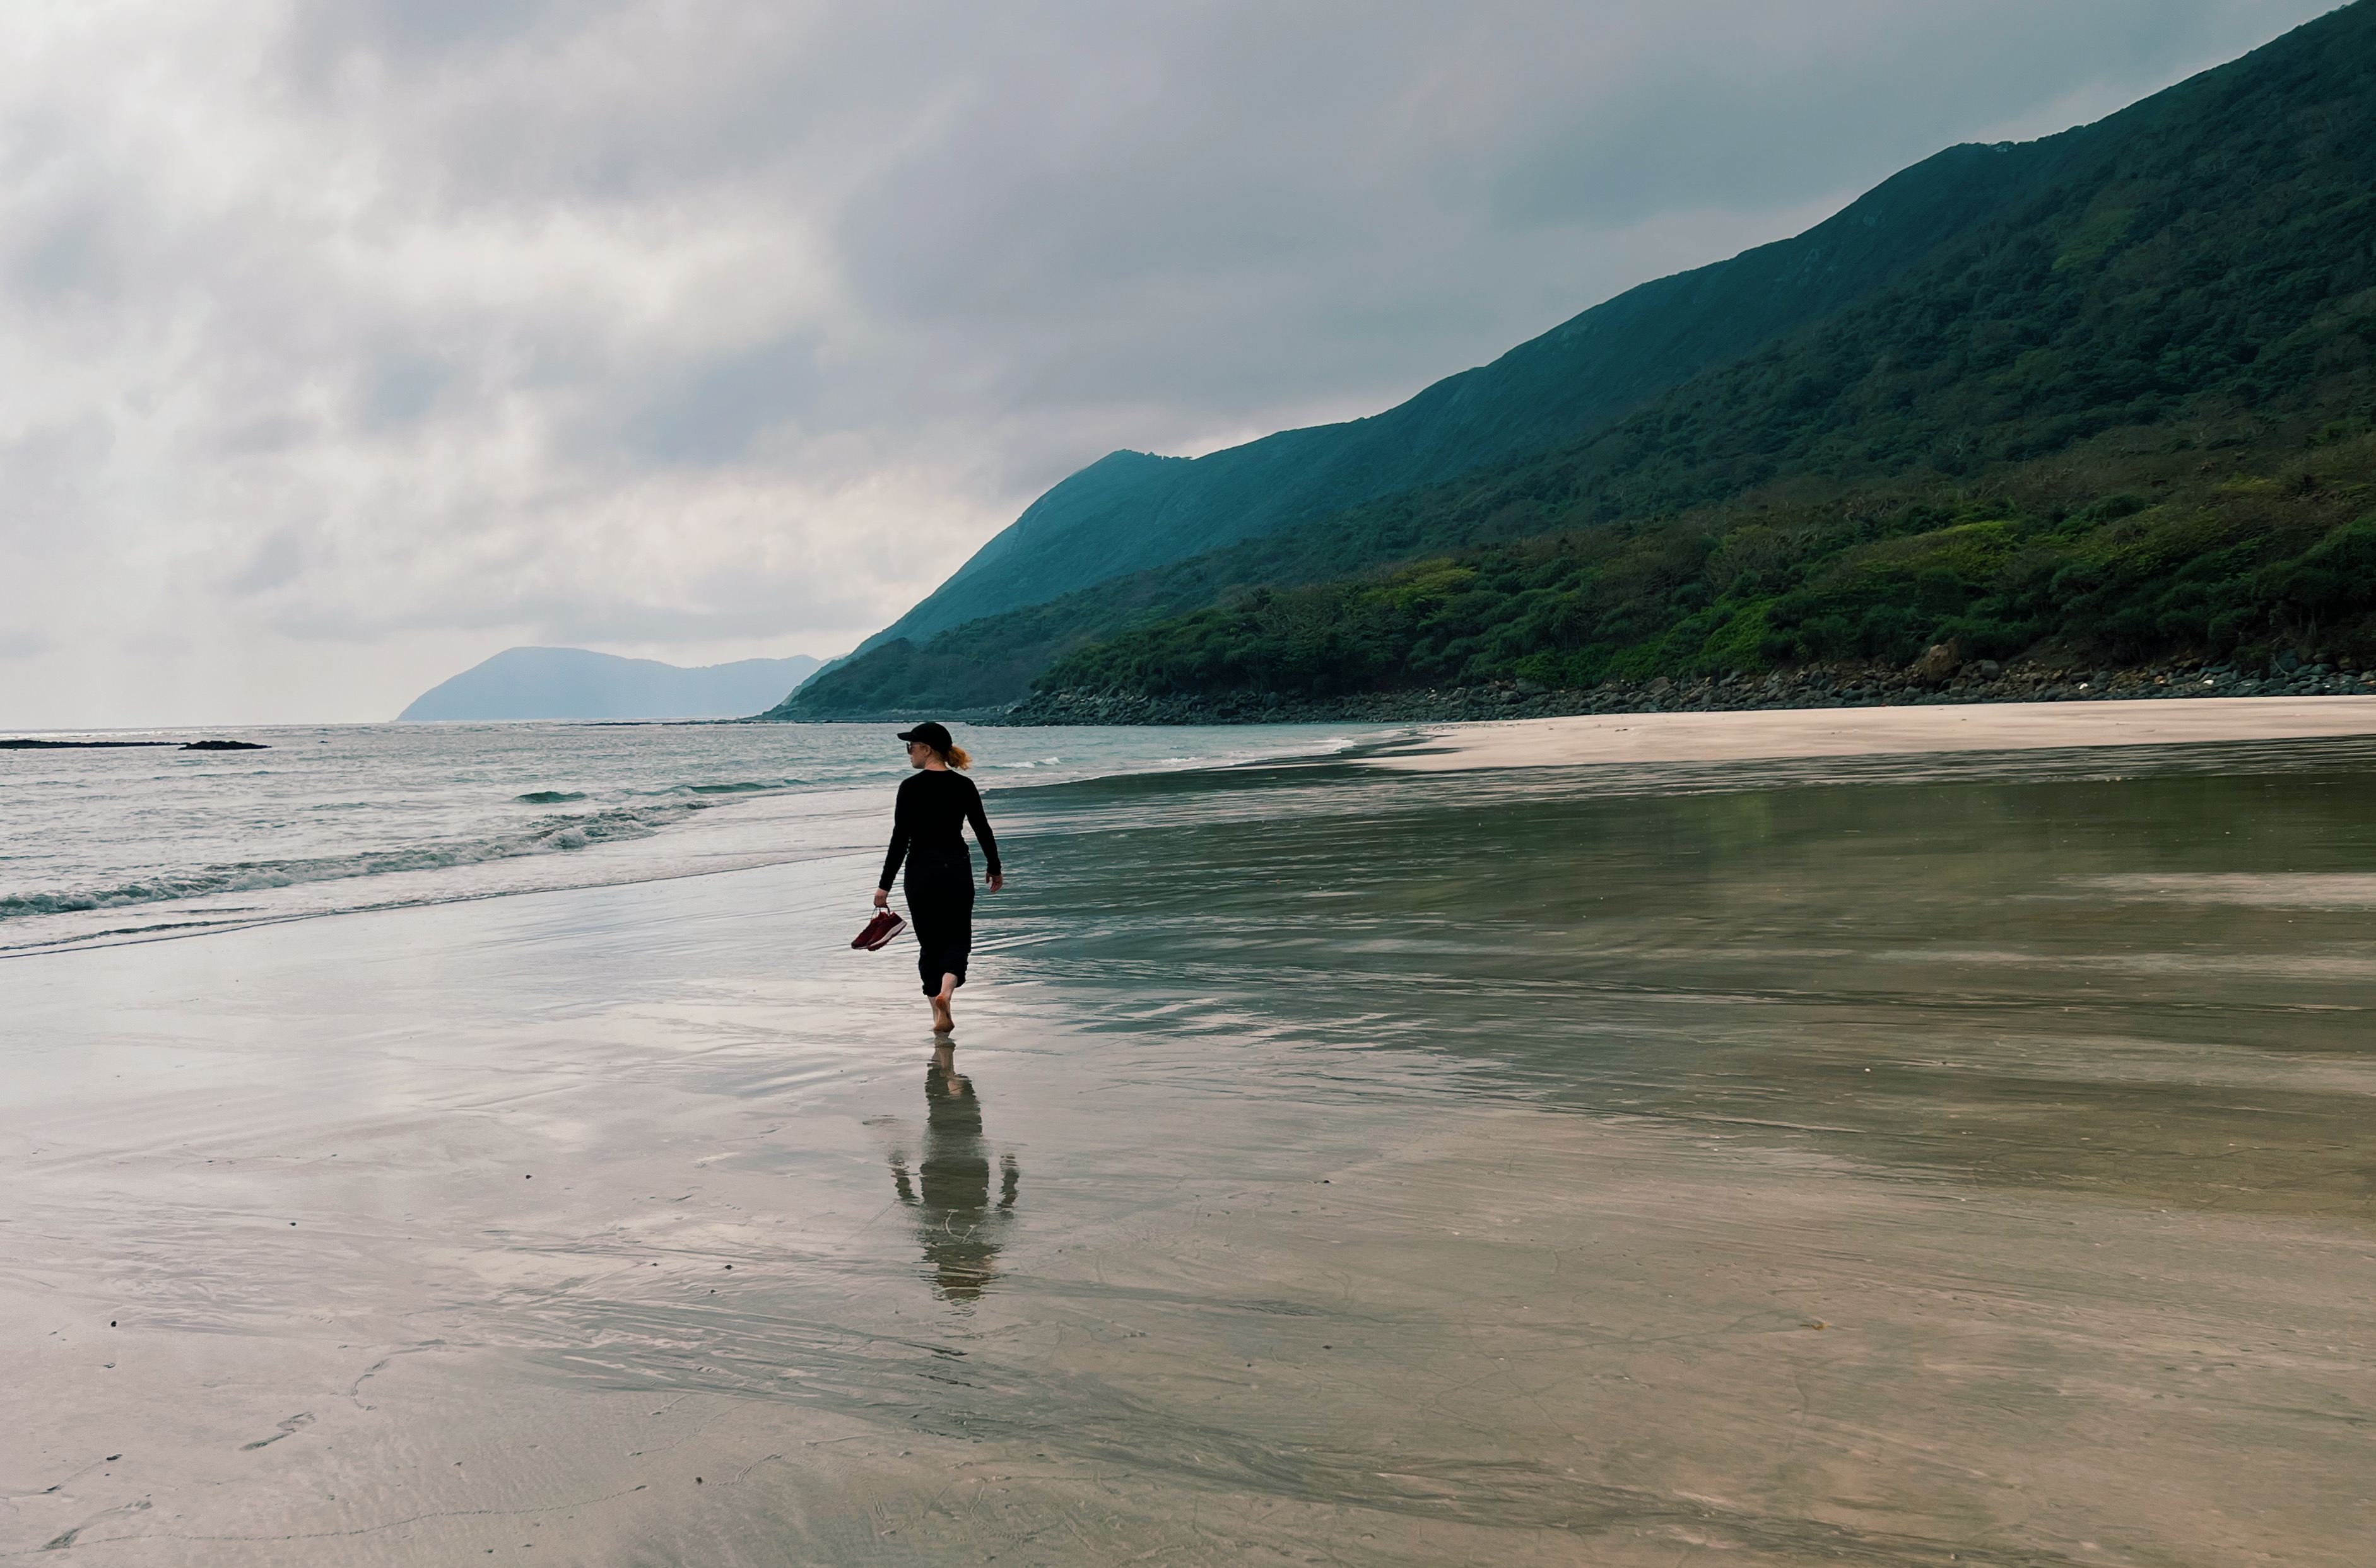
<point x="879" y="931"/>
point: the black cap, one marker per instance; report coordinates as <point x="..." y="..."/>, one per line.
<point x="933" y="735"/>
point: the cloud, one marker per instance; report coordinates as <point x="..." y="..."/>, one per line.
<point x="712" y="411"/>
<point x="345" y="342"/>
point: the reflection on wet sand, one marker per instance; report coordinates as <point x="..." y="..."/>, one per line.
<point x="950" y="1189"/>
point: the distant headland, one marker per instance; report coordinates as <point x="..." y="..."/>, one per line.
<point x="573" y="682"/>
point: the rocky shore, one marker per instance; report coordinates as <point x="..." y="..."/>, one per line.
<point x="1938" y="677"/>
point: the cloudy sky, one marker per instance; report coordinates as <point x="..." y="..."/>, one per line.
<point x="346" y="342"/>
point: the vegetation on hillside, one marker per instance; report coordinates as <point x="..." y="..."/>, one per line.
<point x="2143" y="542"/>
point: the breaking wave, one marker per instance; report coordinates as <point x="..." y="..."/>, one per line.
<point x="547" y="836"/>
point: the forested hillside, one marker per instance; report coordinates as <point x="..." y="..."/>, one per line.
<point x="2126" y="411"/>
<point x="2244" y="551"/>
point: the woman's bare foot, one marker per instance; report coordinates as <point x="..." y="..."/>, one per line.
<point x="943" y="1020"/>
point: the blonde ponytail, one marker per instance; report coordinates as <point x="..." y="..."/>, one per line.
<point x="958" y="757"/>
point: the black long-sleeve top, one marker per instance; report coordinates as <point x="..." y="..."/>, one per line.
<point x="933" y="807"/>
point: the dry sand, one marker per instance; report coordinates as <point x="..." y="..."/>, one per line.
<point x="1861" y="732"/>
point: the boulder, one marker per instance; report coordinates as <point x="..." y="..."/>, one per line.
<point x="1938" y="664"/>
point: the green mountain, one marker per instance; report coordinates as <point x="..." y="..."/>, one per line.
<point x="1131" y="511"/>
<point x="2031" y="430"/>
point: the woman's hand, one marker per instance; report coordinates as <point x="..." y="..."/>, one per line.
<point x="882" y="898"/>
<point x="997" y="880"/>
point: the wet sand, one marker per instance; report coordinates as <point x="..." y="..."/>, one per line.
<point x="1854" y="731"/>
<point x="1962" y="1161"/>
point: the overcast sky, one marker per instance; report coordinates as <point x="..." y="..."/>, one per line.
<point x="346" y="342"/>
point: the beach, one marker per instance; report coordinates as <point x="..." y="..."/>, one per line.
<point x="1872" y="731"/>
<point x="1762" y="1138"/>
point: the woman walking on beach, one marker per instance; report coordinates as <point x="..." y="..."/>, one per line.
<point x="927" y="832"/>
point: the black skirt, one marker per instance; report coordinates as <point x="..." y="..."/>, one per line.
<point x="940" y="906"/>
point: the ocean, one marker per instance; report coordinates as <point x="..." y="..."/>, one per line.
<point x="131" y="844"/>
